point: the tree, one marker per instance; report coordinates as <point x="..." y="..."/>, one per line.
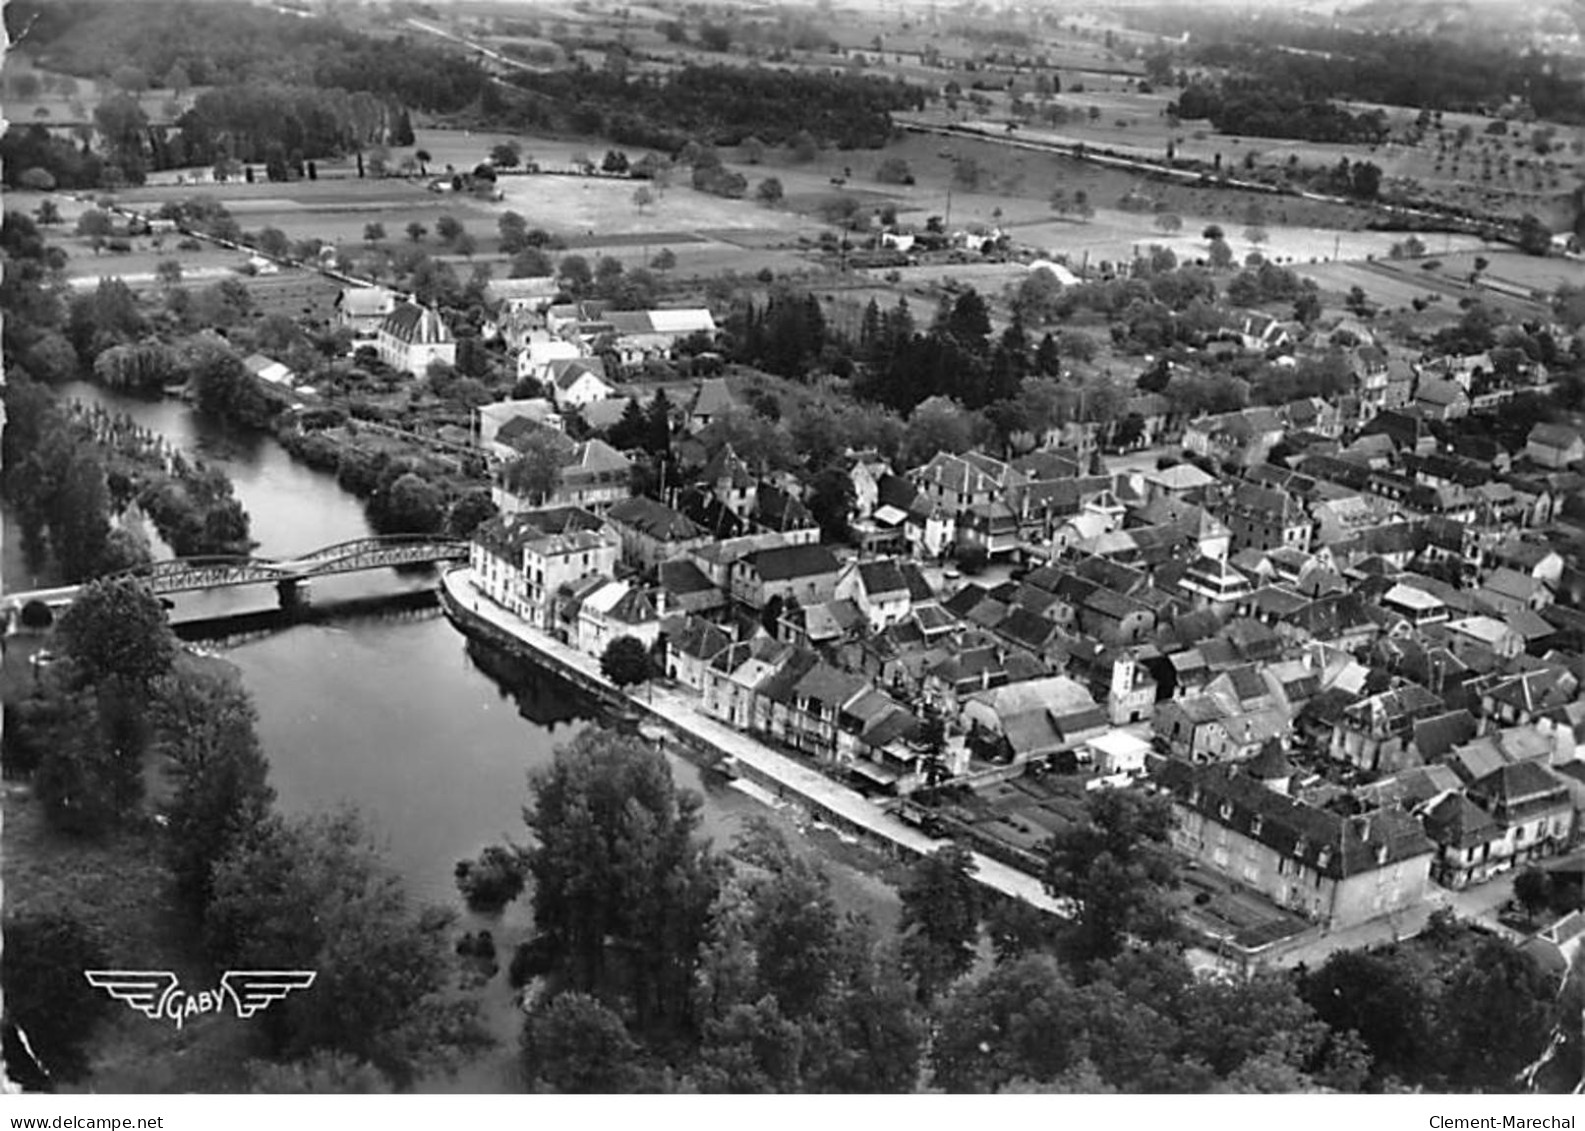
<point x="1384" y="999"/>
<point x="942" y="905"/>
<point x="94" y="223"/>
<point x="1015" y="1022"/>
<point x="1168" y="222"/>
<point x="115" y="631"/>
<point x="1498" y="1015"/>
<point x="643" y="197"/>
<point x="575" y="273"/>
<point x="622" y="889"/>
<point x="90" y="776"/>
<point x="1532" y="888"/>
<point x="177" y="81"/>
<point x="1118" y="867"/>
<point x="48" y="213"/>
<point x="37" y="179"/>
<point x="938" y="424"/>
<point x="1220" y="254"/>
<point x="536" y="473"/>
<point x="514" y="232"/>
<point x="1255" y="234"/>
<point x="665" y="259"/>
<point x="205" y="726"/>
<point x="411" y="504"/>
<point x="573" y="1044"/>
<point x="373" y="233"/>
<point x="50" y="1008"/>
<point x="492" y="880"/>
<point x="831" y="501"/>
<point x="614" y="162"/>
<point x="625" y="662"/>
<point x="506" y="155"/>
<point x="1535" y="238"/>
<point x="448" y="228"/>
<point x="769" y="192"/>
<point x="416" y="231"/>
<point x="1307" y="307"/>
<point x="168" y="272"/>
<point x="468" y="512"/>
<point x="311" y="893"/>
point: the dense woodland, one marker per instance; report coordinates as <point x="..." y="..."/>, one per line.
<point x="722" y="105"/>
<point x="1474" y="71"/>
<point x="285" y="90"/>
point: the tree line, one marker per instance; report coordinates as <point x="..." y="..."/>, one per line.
<point x="718" y="104"/>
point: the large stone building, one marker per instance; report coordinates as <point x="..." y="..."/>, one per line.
<point x="1338" y="871"/>
<point x="412" y="337"/>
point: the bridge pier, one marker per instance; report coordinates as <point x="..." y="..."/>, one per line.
<point x="292" y="592"/>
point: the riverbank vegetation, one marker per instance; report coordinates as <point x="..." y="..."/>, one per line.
<point x="662" y="964"/>
<point x="145" y="761"/>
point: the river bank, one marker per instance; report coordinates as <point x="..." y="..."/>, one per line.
<point x="783" y="778"/>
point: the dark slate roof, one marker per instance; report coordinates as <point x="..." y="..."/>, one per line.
<point x="655" y="519"/>
<point x="882" y="577"/>
<point x="1435" y="736"/>
<point x="777" y="509"/>
<point x="1335" y="846"/>
<point x="682" y="577"/>
<point x="415" y="325"/>
<point x="785" y="562"/>
<point x="1027" y="628"/>
<point x="1271" y="764"/>
<point x="1457" y="822"/>
<point x="962" y="603"/>
<point x="918" y="586"/>
<point x="700" y="639"/>
<point x="1517" y="782"/>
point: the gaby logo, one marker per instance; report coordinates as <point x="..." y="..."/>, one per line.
<point x="155" y="994"/>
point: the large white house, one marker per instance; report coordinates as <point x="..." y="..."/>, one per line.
<point x="412" y="337"/>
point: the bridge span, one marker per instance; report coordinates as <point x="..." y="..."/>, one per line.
<point x="289" y="575"/>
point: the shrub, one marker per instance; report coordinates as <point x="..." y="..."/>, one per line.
<point x="493" y="880"/>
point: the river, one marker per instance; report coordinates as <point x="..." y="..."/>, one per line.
<point x="428" y="735"/>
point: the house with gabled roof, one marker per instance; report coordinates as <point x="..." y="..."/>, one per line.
<point x="1033" y="719"/>
<point x="1375" y="733"/>
<point x="411" y="338"/>
<point x="1243" y="437"/>
<point x="806" y="573"/>
<point x="879" y="588"/>
<point x="652" y="532"/>
<point x="735" y="675"/>
<point x="711" y="399"/>
<point x="362" y="309"/>
<point x="521" y="561"/>
<point x="1555" y="446"/>
<point x="1468" y="841"/>
<point x="1507" y="591"/>
<point x="686" y="588"/>
<point x="593" y="474"/>
<point x="960" y="483"/>
<point x="616" y="608"/>
<point x="1533" y="807"/>
<point x="575" y="382"/>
